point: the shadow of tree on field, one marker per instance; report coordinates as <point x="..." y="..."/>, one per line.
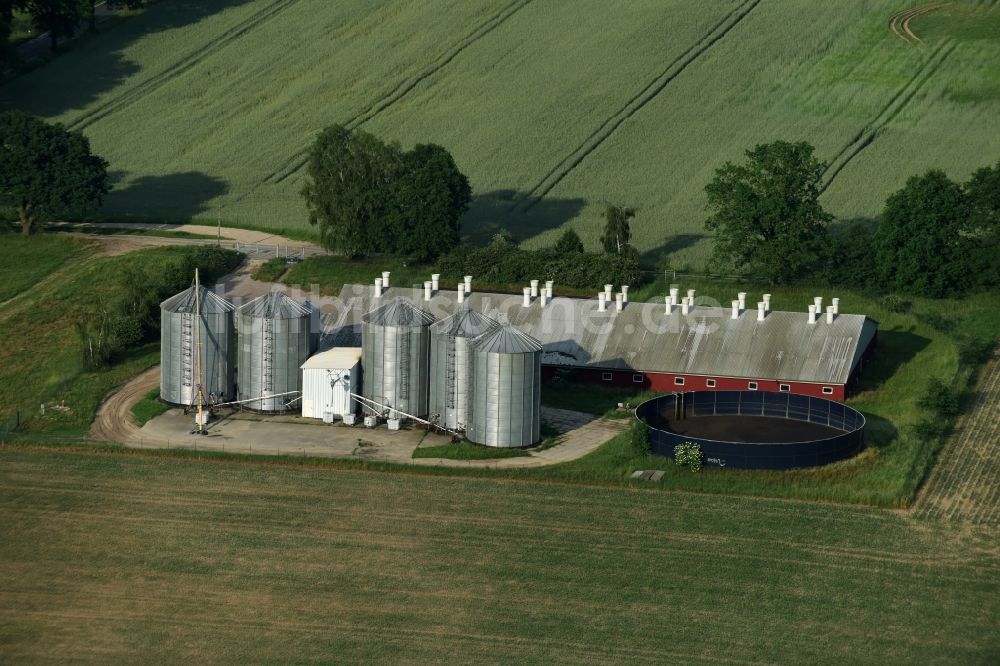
<point x="895" y="348"/>
<point x="75" y="79"/>
<point x="176" y="196"/>
<point x="657" y="257"/>
<point x="492" y="211"/>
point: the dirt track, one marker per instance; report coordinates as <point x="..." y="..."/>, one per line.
<point x="113" y="422"/>
<point x="899" y="22"/>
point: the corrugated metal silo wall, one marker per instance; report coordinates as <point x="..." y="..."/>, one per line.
<point x="289" y="349"/>
<point x="451" y="379"/>
<point x="395" y="367"/>
<point x="506" y="399"/>
<point x="216" y="336"/>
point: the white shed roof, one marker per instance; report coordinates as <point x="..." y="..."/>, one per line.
<point x="338" y="358"/>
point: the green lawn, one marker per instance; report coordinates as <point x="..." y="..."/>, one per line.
<point x="148" y="408"/>
<point x="466" y="451"/>
<point x="271" y="270"/>
<point x="553" y="109"/>
<point x="120" y="555"/>
<point x="26" y="260"/>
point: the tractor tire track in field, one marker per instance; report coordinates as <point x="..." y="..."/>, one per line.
<point x="189" y="61"/>
<point x="899" y="23"/>
<point x="635" y="104"/>
<point x="867" y="134"/>
<point x="965" y="487"/>
<point x="300" y="157"/>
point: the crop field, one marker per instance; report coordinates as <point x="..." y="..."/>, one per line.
<point x="552" y="108"/>
<point x="105" y="556"/>
<point x="965" y="487"/>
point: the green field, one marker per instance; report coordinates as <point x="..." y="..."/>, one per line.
<point x="552" y="108"/>
<point x="109" y="556"/>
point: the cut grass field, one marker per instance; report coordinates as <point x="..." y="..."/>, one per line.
<point x="148" y="408"/>
<point x="25" y="261"/>
<point x="107" y="556"/>
<point x="552" y="108"/>
<point x="466" y="451"/>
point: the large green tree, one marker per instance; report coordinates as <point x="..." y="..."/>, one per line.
<point x="430" y="196"/>
<point x="350" y="190"/>
<point x="983" y="193"/>
<point x="617" y="232"/>
<point x="922" y="243"/>
<point x="47" y="172"/>
<point x="59" y="18"/>
<point x="766" y="214"/>
<point x="569" y="243"/>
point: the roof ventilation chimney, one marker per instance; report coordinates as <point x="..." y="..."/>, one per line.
<point x="526" y="300"/>
<point x="545" y="297"/>
<point x="619" y="302"/>
<point x="761" y="311"/>
<point x="742" y="296"/>
<point x="819" y="304"/>
<point x="625" y="293"/>
<point x="686" y="307"/>
<point x="534" y="288"/>
<point x="736" y="310"/>
<point x="670" y="306"/>
<point x="468" y="284"/>
<point x="428" y="291"/>
<point x="812" y="314"/>
<point x="830" y="313"/>
<point x="767" y="302"/>
<point x="836" y="305"/>
<point x="461" y="293"/>
<point x="602" y="297"/>
<point x="548" y="289"/>
<point x="435" y="281"/>
<point x="691" y="296"/>
<point x="673" y="295"/>
<point x="607" y="291"/>
<point x="378" y="287"/>
<point x="385" y="279"/>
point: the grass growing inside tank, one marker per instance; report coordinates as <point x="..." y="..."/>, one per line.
<point x="148" y="408"/>
<point x="271" y="270"/>
<point x="466" y="451"/>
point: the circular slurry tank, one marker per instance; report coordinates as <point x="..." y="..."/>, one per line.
<point x="505" y="405"/>
<point x="451" y="366"/>
<point x="395" y="359"/>
<point x="754" y="429"/>
<point x="275" y="339"/>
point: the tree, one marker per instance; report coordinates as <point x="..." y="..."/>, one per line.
<point x="616" y="230"/>
<point x="430" y="197"/>
<point x="350" y="191"/>
<point x="983" y="194"/>
<point x="569" y="243"/>
<point x="47" y="172"/>
<point x="766" y="213"/>
<point x="59" y="18"/>
<point x="921" y="244"/>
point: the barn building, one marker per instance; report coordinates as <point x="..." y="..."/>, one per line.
<point x="658" y="346"/>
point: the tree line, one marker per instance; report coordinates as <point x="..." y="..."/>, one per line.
<point x="935" y="237"/>
<point x="59" y="18"/>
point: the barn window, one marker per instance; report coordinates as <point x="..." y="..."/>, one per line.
<point x="710" y="383"/>
<point x="827" y="390"/>
<point x="785" y="388"/>
<point x="752" y="386"/>
<point x="679" y="381"/>
<point x="606" y="376"/>
<point x="638" y="379"/>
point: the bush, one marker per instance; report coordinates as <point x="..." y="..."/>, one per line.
<point x="894" y="303"/>
<point x="940" y="398"/>
<point x="688" y="454"/>
<point x="639" y="438"/>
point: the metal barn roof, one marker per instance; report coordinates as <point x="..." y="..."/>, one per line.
<point x="338" y="358"/>
<point x="211" y="303"/>
<point x="643" y="337"/>
<point x="275" y="305"/>
<point x="466" y="323"/>
<point x="398" y="312"/>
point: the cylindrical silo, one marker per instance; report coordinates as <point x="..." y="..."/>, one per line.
<point x="274" y="341"/>
<point x="395" y="355"/>
<point x="451" y="366"/>
<point x="182" y="368"/>
<point x="506" y="389"/>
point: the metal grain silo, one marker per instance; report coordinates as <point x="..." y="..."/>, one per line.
<point x="179" y="343"/>
<point x="395" y="346"/>
<point x="274" y="341"/>
<point x="451" y="366"/>
<point x="506" y="389"/>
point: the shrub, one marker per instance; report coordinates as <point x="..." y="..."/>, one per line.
<point x="894" y="303"/>
<point x="940" y="398"/>
<point x="639" y="438"/>
<point x="688" y="454"/>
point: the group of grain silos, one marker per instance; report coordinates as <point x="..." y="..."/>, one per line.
<point x="466" y="372"/>
<point x="274" y="337"/>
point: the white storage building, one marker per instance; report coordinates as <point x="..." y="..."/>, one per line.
<point x="328" y="379"/>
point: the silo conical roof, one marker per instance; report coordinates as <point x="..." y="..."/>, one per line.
<point x="465" y="323"/>
<point x="211" y="303"/>
<point x="398" y="312"/>
<point x="275" y="305"/>
<point x="506" y="340"/>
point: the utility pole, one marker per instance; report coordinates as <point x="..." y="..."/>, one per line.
<point x="197" y="358"/>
